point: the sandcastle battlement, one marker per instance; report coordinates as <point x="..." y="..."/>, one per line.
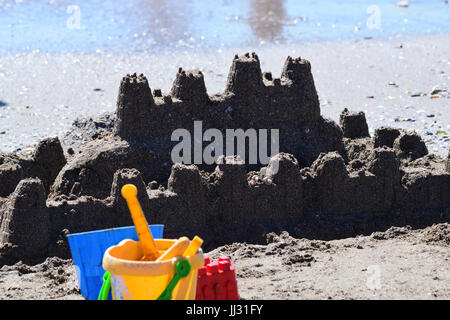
<point x="250" y="99"/>
<point x="245" y="76"/>
<point x="189" y="86"/>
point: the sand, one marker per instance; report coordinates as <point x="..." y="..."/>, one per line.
<point x="396" y="264"/>
<point x="390" y="80"/>
<point x="399" y="263"/>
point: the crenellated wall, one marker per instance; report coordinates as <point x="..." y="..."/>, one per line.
<point x="328" y="200"/>
<point x="144" y="122"/>
<point x="331" y="182"/>
<point x="249" y="101"/>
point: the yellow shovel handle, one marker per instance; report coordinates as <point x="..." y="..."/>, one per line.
<point x="175" y="250"/>
<point x="195" y="244"/>
<point x="129" y="192"/>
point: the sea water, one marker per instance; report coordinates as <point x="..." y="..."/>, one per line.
<point x="156" y="26"/>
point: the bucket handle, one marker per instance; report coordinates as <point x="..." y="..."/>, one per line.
<point x="106" y="286"/>
<point x="182" y="270"/>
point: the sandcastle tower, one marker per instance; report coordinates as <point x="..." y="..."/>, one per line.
<point x="189" y="86"/>
<point x="298" y="78"/>
<point x="245" y="77"/>
<point x="133" y="107"/>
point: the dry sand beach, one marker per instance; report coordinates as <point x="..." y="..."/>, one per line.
<point x="51" y="81"/>
<point x="397" y="264"/>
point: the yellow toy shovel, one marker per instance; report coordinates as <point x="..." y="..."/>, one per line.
<point x="129" y="192"/>
<point x="195" y="244"/>
<point x="182" y="247"/>
<point x="175" y="250"/>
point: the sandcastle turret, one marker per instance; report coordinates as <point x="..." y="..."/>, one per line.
<point x="245" y="77"/>
<point x="189" y="86"/>
<point x="122" y="177"/>
<point x="383" y="162"/>
<point x="10" y="175"/>
<point x="231" y="175"/>
<point x="285" y="169"/>
<point x="330" y="167"/>
<point x="385" y="136"/>
<point x="185" y="179"/>
<point x="186" y="182"/>
<point x="48" y="160"/>
<point x="26" y="222"/>
<point x="133" y="104"/>
<point x="354" y="124"/>
<point x="296" y="70"/>
<point x="297" y="76"/>
<point x="409" y="145"/>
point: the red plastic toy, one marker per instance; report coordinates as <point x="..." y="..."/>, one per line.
<point x="217" y="281"/>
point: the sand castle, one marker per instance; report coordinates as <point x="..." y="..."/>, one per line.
<point x="333" y="181"/>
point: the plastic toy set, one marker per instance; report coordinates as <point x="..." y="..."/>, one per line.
<point x="88" y="248"/>
<point x="217" y="281"/>
<point x="140" y="265"/>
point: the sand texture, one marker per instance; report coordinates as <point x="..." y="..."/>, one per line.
<point x="400" y="263"/>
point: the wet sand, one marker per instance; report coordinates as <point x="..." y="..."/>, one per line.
<point x="42" y="94"/>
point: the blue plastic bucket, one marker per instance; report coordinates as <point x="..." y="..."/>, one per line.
<point x="87" y="250"/>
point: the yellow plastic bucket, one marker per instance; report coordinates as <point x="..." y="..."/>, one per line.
<point x="132" y="279"/>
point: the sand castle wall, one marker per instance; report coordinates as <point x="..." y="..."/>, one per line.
<point x="333" y="180"/>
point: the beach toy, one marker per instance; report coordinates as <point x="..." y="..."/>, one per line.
<point x="104" y="291"/>
<point x="88" y="248"/>
<point x="150" y="269"/>
<point x="217" y="281"/>
<point x="133" y="279"/>
<point x="150" y="253"/>
<point x="196" y="243"/>
<point x="176" y="249"/>
<point x="182" y="269"/>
